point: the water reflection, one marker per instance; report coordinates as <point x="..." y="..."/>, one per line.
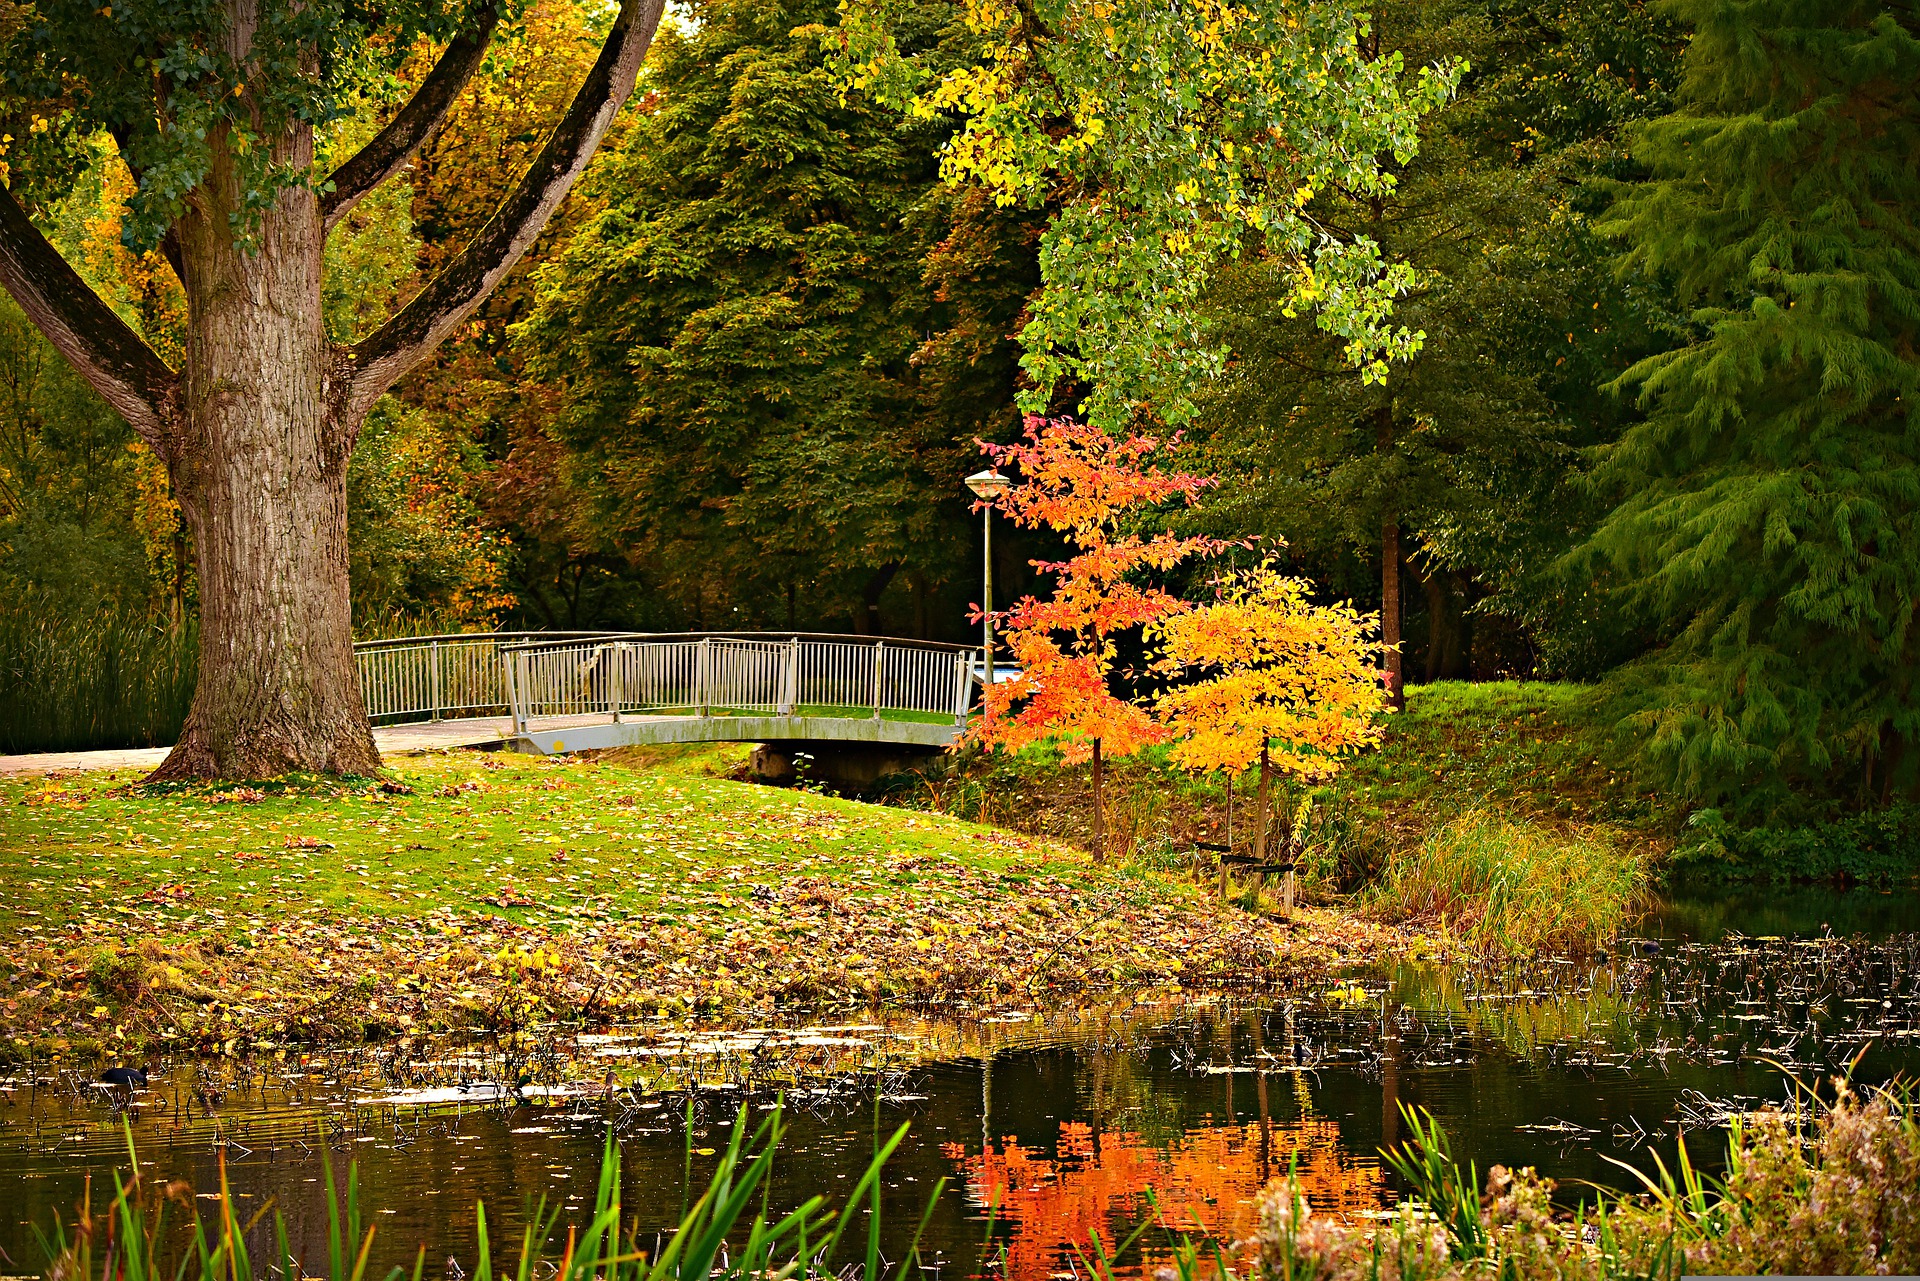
<point x="1089" y="1185"/>
<point x="1050" y="1124"/>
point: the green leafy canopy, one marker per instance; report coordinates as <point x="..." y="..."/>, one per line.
<point x="168" y="78"/>
<point x="1169" y="136"/>
<point x="1770" y="510"/>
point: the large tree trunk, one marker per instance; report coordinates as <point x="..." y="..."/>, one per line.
<point x="257" y="426"/>
<point x="260" y="474"/>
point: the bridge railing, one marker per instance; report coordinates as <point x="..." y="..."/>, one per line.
<point x="440" y="677"/>
<point x="729" y="674"/>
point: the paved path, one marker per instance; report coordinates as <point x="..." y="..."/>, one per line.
<point x="434" y="737"/>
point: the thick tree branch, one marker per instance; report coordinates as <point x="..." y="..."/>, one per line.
<point x="377" y="362"/>
<point x="109" y="355"/>
<point x="417" y="122"/>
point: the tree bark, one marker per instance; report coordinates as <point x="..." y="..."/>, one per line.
<point x="866" y="621"/>
<point x="1265" y="807"/>
<point x="1449" y="628"/>
<point x="260" y="476"/>
<point x="1390" y="613"/>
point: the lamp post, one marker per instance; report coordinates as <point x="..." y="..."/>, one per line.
<point x="987" y="485"/>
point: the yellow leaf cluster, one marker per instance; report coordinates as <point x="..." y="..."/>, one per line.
<point x="1266" y="667"/>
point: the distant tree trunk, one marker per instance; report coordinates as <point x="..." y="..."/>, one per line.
<point x="1390" y="612"/>
<point x="1099" y="814"/>
<point x="1449" y="628"/>
<point x="866" y="619"/>
<point x="918" y="581"/>
<point x="1390" y="606"/>
<point x="1264" y="806"/>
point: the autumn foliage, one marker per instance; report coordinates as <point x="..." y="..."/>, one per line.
<point x="1274" y="670"/>
<point x="1083" y="483"/>
<point x="1259" y="666"/>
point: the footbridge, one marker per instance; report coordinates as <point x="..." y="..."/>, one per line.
<point x="574" y="691"/>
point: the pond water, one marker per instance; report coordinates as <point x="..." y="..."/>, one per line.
<point x="1056" y="1120"/>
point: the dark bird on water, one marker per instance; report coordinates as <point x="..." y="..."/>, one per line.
<point x="126" y="1077"/>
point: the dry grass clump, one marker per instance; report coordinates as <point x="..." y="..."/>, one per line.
<point x="1509" y="888"/>
<point x="1841" y="1200"/>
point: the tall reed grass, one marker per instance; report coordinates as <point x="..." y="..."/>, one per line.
<point x="722" y="1236"/>
<point x="78" y="682"/>
<point x="1509" y="888"/>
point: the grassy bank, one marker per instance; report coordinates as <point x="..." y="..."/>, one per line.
<point x="496" y="890"/>
<point x="1394" y="831"/>
<point x="1509" y="888"/>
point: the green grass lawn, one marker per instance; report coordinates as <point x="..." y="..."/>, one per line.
<point x="480" y="889"/>
<point x="530" y="838"/>
<point x="1532" y="750"/>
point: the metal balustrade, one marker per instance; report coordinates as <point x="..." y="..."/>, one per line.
<point x="733" y="675"/>
<point x="438" y="677"/>
<point x="815" y="684"/>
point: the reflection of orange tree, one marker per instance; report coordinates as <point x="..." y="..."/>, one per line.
<point x="1204" y="1185"/>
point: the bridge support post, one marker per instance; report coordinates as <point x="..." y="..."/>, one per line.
<point x="790" y="681"/>
<point x="616" y="692"/>
<point x="703" y="677"/>
<point x="512" y="674"/>
<point x="961" y="662"/>
<point x="879" y="660"/>
<point x="433" y="657"/>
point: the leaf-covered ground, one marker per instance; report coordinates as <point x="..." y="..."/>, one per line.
<point x="497" y="891"/>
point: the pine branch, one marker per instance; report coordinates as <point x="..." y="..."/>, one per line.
<point x="113" y="359"/>
<point x="416" y="124"/>
<point x="381" y="359"/>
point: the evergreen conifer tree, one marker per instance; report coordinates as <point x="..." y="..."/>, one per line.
<point x="1769" y="499"/>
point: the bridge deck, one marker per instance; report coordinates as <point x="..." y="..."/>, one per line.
<point x="575" y="735"/>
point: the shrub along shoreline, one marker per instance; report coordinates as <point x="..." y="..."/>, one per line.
<point x="490" y="892"/>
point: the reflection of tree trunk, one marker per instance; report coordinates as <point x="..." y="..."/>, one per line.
<point x="986" y="1102"/>
<point x="1266" y="1119"/>
<point x="1389" y="1087"/>
<point x="1449" y="628"/>
<point x="1099" y="815"/>
<point x="1390" y="611"/>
